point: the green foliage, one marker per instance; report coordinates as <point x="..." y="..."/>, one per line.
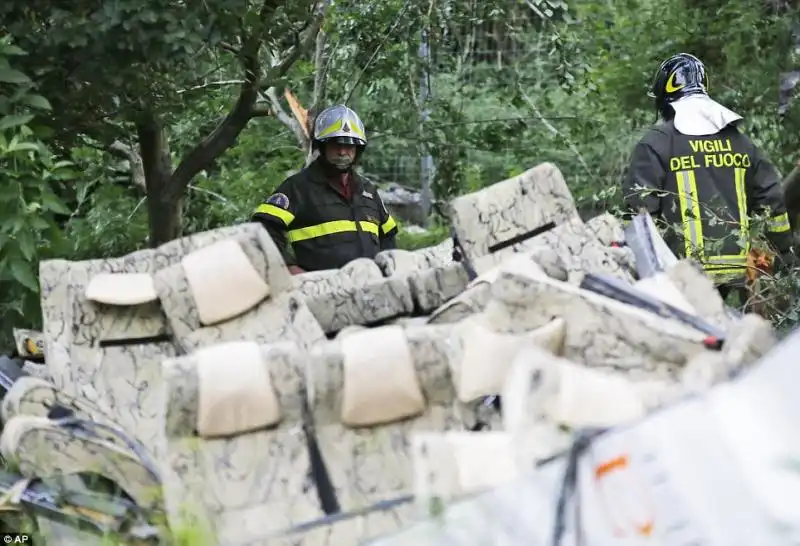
<point x="412" y="240"/>
<point x="29" y="206"/>
<point x="125" y="58"/>
<point x="511" y="86"/>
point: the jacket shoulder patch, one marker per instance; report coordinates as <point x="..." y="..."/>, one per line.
<point x="280" y="200"/>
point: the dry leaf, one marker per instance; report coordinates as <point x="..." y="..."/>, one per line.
<point x="300" y="113"/>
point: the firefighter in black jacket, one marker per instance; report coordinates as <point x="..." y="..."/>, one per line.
<point x="329" y="214"/>
<point x="698" y="173"/>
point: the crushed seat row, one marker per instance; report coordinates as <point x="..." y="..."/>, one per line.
<point x="252" y="407"/>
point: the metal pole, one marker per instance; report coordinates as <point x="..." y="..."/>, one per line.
<point x="426" y="165"/>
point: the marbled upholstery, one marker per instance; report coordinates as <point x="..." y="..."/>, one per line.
<point x="512" y="208"/>
<point x="280" y="315"/>
<point x="242" y="487"/>
<point x="358" y="293"/>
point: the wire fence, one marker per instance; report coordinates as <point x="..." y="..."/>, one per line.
<point x="472" y="64"/>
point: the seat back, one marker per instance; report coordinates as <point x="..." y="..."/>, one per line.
<point x="402" y="262"/>
<point x="546" y="398"/>
<point x="357" y="293"/>
<point x="236" y="463"/>
<point x="74" y="325"/>
<point x="374" y="388"/>
<point x="116" y="334"/>
<point x="689" y="279"/>
<point x="600" y="331"/>
<point x="234" y="289"/>
<point x="499" y="219"/>
<point x="577" y="249"/>
<point x="120" y="338"/>
<point x="475" y="297"/>
<point x="433" y="287"/>
<point x="56" y="321"/>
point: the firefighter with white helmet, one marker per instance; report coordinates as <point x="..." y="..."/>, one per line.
<point x="328" y="214"/>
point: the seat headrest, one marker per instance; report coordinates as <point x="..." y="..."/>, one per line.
<point x="235" y="390"/>
<point x="455" y="463"/>
<point x="121" y="289"/>
<point x="223" y="282"/>
<point x="380" y="380"/>
<point x="487" y="355"/>
<point x="589" y="397"/>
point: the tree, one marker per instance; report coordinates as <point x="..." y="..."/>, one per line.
<point x="120" y="72"/>
<point x="28" y="205"/>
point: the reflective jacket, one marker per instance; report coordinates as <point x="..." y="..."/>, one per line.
<point x="707" y="188"/>
<point x="325" y="227"/>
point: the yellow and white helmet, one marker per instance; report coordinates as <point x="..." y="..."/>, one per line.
<point x="340" y="124"/>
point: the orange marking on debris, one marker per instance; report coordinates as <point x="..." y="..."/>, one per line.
<point x="613" y="464"/>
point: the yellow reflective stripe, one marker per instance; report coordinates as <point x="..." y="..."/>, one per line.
<point x="271" y="210"/>
<point x="779" y="223"/>
<point x="388" y="225"/>
<point x="721" y="268"/>
<point x="690" y="213"/>
<point x="330" y="228"/>
<point x="744" y="215"/>
<point x="731" y="259"/>
<point x="358" y="131"/>
<point x="369" y="227"/>
<point x="332" y="128"/>
<point x="728" y="274"/>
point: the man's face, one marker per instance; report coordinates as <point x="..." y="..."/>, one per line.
<point x="341" y="156"/>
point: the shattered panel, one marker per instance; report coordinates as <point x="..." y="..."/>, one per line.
<point x="37" y="397"/>
<point x="42" y="448"/>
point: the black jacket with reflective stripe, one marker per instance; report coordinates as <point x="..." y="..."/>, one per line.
<point x="325" y="230"/>
<point x="706" y="188"/>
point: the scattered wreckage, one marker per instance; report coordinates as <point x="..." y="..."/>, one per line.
<point x="198" y="393"/>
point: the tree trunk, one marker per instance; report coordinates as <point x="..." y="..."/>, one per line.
<point x="164" y="206"/>
<point x="165" y="219"/>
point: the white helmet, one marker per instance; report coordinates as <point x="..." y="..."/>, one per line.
<point x="341" y="124"/>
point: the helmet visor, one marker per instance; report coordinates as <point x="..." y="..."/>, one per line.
<point x="344" y="140"/>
